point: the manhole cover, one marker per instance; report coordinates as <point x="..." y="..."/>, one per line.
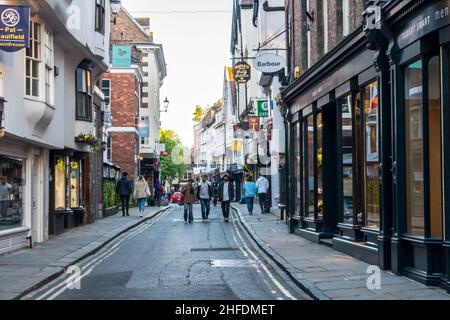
<point x="214" y="249"/>
<point x="233" y="263"/>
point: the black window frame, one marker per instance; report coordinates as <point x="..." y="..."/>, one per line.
<point x="88" y="94"/>
<point x="100" y="16"/>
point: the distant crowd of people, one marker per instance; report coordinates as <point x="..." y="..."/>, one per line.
<point x="204" y="193"/>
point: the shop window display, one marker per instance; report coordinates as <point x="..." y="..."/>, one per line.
<point x="11" y="193"/>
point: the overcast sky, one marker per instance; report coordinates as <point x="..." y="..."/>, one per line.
<point x="196" y="48"/>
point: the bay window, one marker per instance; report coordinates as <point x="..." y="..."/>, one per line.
<point x="33" y="61"/>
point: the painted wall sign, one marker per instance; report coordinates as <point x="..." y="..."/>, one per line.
<point x="14" y="28"/>
<point x="427" y="20"/>
<point x="269" y="63"/>
<point x="121" y="56"/>
<point x="263" y="108"/>
<point x="242" y="72"/>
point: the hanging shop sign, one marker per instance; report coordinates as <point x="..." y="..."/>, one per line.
<point x="14" y="28"/>
<point x="253" y="123"/>
<point x="242" y="72"/>
<point x="269" y="63"/>
<point x="121" y="56"/>
<point x="263" y="108"/>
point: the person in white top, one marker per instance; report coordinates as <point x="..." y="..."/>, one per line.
<point x="262" y="185"/>
<point x="204" y="194"/>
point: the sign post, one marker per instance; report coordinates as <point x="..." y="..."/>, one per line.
<point x="14" y="28"/>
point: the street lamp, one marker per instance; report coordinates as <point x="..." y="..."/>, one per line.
<point x="166" y="105"/>
<point x="115" y="9"/>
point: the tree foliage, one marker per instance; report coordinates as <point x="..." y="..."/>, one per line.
<point x="173" y="165"/>
<point x="198" y="113"/>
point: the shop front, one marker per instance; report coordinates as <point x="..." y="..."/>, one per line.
<point x="335" y="157"/>
<point x="67" y="198"/>
<point x="22" y="202"/>
<point x="370" y="151"/>
<point x="420" y="68"/>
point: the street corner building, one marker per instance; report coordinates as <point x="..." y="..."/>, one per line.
<point x="50" y="118"/>
<point x="132" y="90"/>
<point x="369" y="152"/>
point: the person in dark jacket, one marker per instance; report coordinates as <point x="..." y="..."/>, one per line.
<point x="124" y="189"/>
<point x="226" y="195"/>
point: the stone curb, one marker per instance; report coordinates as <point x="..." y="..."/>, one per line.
<point x="55" y="275"/>
<point x="297" y="277"/>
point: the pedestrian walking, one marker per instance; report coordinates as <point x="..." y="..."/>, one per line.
<point x="141" y="193"/>
<point x="249" y="192"/>
<point x="262" y="186"/>
<point x="159" y="189"/>
<point x="215" y="193"/>
<point x="189" y="198"/>
<point x="204" y="194"/>
<point x="124" y="189"/>
<point x="226" y="195"/>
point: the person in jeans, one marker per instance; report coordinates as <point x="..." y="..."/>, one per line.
<point x="204" y="194"/>
<point x="249" y="191"/>
<point x="189" y="198"/>
<point x="226" y="195"/>
<point x="262" y="185"/>
<point x="141" y="193"/>
<point x="124" y="189"/>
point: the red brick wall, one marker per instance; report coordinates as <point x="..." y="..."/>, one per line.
<point x="124" y="105"/>
<point x="124" y="151"/>
<point x="298" y="51"/>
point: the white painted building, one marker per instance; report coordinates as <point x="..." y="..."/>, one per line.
<point x="40" y="114"/>
<point x="257" y="31"/>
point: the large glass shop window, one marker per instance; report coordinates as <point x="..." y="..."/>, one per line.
<point x="12" y="186"/>
<point x="297" y="163"/>
<point x="414" y="148"/>
<point x="372" y="165"/>
<point x="435" y="145"/>
<point x="347" y="158"/>
<point x="319" y="164"/>
<point x="60" y="183"/>
<point x="309" y="165"/>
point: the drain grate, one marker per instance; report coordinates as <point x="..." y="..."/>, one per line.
<point x="215" y="249"/>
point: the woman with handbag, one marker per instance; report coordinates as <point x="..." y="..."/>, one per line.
<point x="141" y="193"/>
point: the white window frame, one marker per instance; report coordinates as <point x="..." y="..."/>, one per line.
<point x="308" y="38"/>
<point x="49" y="67"/>
<point x="37" y="58"/>
<point x="345" y="17"/>
<point x="107" y="105"/>
<point x="325" y="26"/>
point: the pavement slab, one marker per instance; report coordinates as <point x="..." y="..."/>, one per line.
<point x="324" y="272"/>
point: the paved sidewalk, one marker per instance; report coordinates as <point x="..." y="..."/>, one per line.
<point x="28" y="269"/>
<point x="324" y="272"/>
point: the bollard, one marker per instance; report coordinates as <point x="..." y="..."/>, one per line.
<point x="282" y="208"/>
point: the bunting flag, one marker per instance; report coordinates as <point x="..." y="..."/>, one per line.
<point x="374" y="95"/>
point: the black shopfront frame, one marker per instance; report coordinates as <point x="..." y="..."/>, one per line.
<point x="425" y="259"/>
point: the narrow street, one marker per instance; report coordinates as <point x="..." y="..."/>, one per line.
<point x="165" y="258"/>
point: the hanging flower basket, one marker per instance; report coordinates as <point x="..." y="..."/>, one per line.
<point x="88" y="139"/>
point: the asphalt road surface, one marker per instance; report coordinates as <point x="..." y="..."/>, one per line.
<point x="167" y="259"/>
